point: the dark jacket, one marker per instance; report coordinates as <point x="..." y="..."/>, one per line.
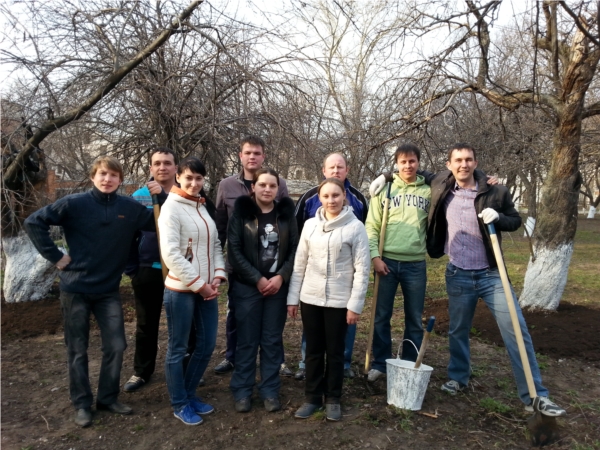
<point x="99" y="229"/>
<point x="229" y="190"/>
<point x="307" y="205"/>
<point x="495" y="197"/>
<point x="242" y="239"/>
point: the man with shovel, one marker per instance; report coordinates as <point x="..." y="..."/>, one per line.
<point x="459" y="197"/>
<point x="403" y="258"/>
<point x="144" y="268"/>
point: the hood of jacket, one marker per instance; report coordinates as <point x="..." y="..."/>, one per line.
<point x="345" y="216"/>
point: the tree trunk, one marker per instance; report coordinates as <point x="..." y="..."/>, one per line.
<point x="546" y="275"/>
<point x="27" y="276"/>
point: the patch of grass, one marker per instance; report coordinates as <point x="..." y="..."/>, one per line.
<point x="592" y="446"/>
<point x="72" y="437"/>
<point x="477" y="371"/>
<point x="319" y="415"/>
<point x="583" y="282"/>
<point x="138" y="427"/>
<point x="403" y="417"/>
<point x="494" y="406"/>
<point x="372" y="419"/>
<point x="542" y="361"/>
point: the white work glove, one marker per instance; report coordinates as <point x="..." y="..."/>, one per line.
<point x="377" y="185"/>
<point x="488" y="215"/>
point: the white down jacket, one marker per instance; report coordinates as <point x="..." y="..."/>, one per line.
<point x="332" y="263"/>
<point x="184" y="223"/>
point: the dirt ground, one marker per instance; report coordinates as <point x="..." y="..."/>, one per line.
<point x="36" y="412"/>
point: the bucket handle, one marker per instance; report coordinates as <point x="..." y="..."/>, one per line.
<point x="400" y="346"/>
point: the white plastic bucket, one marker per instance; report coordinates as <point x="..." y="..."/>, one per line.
<point x="406" y="386"/>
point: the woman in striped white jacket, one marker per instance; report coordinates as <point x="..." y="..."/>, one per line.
<point x="191" y="250"/>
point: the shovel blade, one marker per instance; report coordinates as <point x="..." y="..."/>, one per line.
<point x="544" y="430"/>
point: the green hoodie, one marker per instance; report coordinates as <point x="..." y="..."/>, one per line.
<point x="407" y="220"/>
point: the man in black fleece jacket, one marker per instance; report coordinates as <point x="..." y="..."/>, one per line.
<point x="99" y="226"/>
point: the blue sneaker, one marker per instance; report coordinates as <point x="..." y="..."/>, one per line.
<point x="188" y="416"/>
<point x="199" y="407"/>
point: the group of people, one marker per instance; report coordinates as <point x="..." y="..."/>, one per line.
<point x="314" y="256"/>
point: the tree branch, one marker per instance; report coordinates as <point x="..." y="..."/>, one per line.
<point x="49" y="126"/>
<point x="583" y="29"/>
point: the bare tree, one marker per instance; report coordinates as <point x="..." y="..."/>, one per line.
<point x="77" y="59"/>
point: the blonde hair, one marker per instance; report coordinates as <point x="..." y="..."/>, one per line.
<point x="110" y="162"/>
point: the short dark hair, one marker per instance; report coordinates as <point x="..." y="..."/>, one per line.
<point x="166" y="150"/>
<point x="253" y="140"/>
<point x="407" y="149"/>
<point x="461" y="146"/>
<point x="193" y="164"/>
<point x="265" y="170"/>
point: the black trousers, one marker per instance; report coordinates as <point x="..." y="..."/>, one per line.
<point x="148" y="290"/>
<point x="108" y="311"/>
<point x="325" y="330"/>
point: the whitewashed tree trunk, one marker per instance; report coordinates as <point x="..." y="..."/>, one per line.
<point x="27" y="276"/>
<point x="546" y="278"/>
<point x="591" y="213"/>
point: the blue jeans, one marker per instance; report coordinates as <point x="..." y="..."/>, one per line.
<point x="464" y="288"/>
<point x="412" y="277"/>
<point x="76" y="309"/>
<point x="348" y="347"/>
<point x="260" y="322"/>
<point x="183" y="308"/>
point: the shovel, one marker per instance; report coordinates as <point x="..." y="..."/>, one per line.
<point x="156" y="209"/>
<point x="544" y="429"/>
<point x="425" y="342"/>
<point x="384" y="221"/>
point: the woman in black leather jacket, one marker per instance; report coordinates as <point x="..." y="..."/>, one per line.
<point x="261" y="244"/>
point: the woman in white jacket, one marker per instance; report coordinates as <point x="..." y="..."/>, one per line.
<point x="191" y="250"/>
<point x="330" y="278"/>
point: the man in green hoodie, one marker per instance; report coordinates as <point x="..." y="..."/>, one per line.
<point x="403" y="258"/>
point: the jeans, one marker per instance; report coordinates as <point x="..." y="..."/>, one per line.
<point x="148" y="289"/>
<point x="231" y="330"/>
<point x="464" y="288"/>
<point x="348" y="347"/>
<point x="260" y="322"/>
<point x="183" y="308"/>
<point x="325" y="333"/>
<point x="412" y="277"/>
<point x="76" y="309"/>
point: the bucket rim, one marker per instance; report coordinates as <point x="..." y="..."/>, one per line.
<point x="403" y="364"/>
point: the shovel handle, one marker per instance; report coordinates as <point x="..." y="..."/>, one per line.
<point x="156" y="209"/>
<point x="425" y="342"/>
<point x="384" y="220"/>
<point x="512" y="310"/>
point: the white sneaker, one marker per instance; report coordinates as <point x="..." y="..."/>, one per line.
<point x="546" y="407"/>
<point x="374" y="375"/>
